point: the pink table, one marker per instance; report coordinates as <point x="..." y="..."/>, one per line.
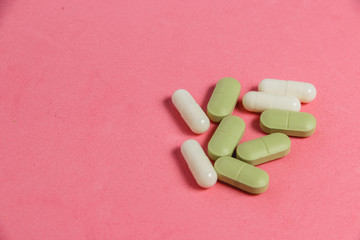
<point x="89" y="140"/>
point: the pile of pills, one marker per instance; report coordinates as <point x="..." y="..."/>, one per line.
<point x="279" y="102"/>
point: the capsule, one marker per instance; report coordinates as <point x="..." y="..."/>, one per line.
<point x="297" y="124"/>
<point x="190" y="111"/>
<point x="223" y="99"/>
<point x="261" y="101"/>
<point x="226" y="137"/>
<point x="198" y="163"/>
<point x="264" y="149"/>
<point x="242" y="175"/>
<point x="305" y="92"/>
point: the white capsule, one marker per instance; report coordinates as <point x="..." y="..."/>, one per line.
<point x="190" y="111"/>
<point x="261" y="101"/>
<point x="305" y="92"/>
<point x="199" y="164"/>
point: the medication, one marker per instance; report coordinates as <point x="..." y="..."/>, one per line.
<point x="305" y="92"/>
<point x="261" y="101"/>
<point x="297" y="124"/>
<point x="226" y="137"/>
<point x="190" y="111"/>
<point x="241" y="175"/>
<point x="264" y="149"/>
<point x="224" y="98"/>
<point x="199" y="164"/>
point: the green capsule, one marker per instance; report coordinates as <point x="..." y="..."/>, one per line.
<point x="297" y="124"/>
<point x="241" y="175"/>
<point x="226" y="137"/>
<point x="264" y="149"/>
<point x="224" y="98"/>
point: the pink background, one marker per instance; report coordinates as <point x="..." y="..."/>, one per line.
<point x="89" y="139"/>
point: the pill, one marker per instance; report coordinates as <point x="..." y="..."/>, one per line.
<point x="264" y="149"/>
<point x="241" y="175"/>
<point x="223" y="99"/>
<point x="198" y="163"/>
<point x="305" y="92"/>
<point x="261" y="101"/>
<point x="297" y="124"/>
<point x="190" y="111"/>
<point x="226" y="137"/>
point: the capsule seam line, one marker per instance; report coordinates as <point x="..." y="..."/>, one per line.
<point x="265" y="145"/>
<point x="237" y="175"/>
<point x="287" y="121"/>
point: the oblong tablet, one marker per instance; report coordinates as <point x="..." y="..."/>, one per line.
<point x="223" y="99"/>
<point x="261" y="101"/>
<point x="226" y="137"/>
<point x="305" y="92"/>
<point x="199" y="164"/>
<point x="297" y="124"/>
<point x="190" y="111"/>
<point x="264" y="149"/>
<point x="241" y="175"/>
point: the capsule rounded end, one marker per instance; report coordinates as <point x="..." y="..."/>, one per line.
<point x="264" y="84"/>
<point x="177" y="95"/>
<point x="215" y="117"/>
<point x="200" y="125"/>
<point x="249" y="100"/>
<point x="207" y="179"/>
<point x="187" y="144"/>
<point x="296" y="105"/>
<point x="309" y="94"/>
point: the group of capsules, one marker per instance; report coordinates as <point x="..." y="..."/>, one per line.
<point x="279" y="104"/>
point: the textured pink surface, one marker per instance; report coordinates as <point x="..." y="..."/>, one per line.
<point x="89" y="140"/>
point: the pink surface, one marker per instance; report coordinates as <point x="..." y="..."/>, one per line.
<point x="89" y="140"/>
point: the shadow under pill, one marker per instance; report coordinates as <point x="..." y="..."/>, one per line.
<point x="206" y="99"/>
<point x="239" y="190"/>
<point x="255" y="88"/>
<point x="255" y="124"/>
<point x="209" y="133"/>
<point x="5" y="6"/>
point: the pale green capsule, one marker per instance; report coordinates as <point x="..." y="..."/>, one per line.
<point x="226" y="137"/>
<point x="241" y="175"/>
<point x="223" y="99"/>
<point x="264" y="149"/>
<point x="297" y="124"/>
